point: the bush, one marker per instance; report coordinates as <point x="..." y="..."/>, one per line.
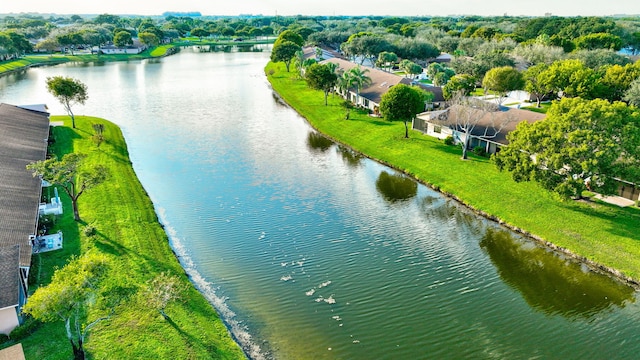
<point x="3" y="338"/>
<point x="480" y="151"/>
<point x="28" y="327"/>
<point x="448" y="140"/>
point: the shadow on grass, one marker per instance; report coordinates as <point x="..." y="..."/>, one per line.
<point x="62" y="138"/>
<point x="623" y="220"/>
<point x="190" y="339"/>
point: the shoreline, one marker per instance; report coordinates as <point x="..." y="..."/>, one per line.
<point x="129" y="230"/>
<point x="592" y="265"/>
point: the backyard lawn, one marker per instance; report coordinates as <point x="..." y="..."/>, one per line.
<point x="602" y="234"/>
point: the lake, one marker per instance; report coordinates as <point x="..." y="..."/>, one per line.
<point x="310" y="251"/>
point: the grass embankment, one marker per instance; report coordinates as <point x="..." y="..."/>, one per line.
<point x="604" y="234"/>
<point x="52" y="59"/>
<point x="129" y="233"/>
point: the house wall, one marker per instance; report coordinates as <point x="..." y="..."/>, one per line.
<point x="628" y="191"/>
<point x="362" y="102"/>
<point x="438" y="131"/>
<point x="121" y="51"/>
<point x="8" y="320"/>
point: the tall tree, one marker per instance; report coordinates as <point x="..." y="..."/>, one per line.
<point x="321" y="77"/>
<point x="290" y="35"/>
<point x="410" y="68"/>
<point x="532" y="82"/>
<point x="68" y="174"/>
<point x="581" y="145"/>
<point x="502" y="80"/>
<point x="285" y="52"/>
<point x="386" y="60"/>
<point x="122" y="39"/>
<point x="69" y="92"/>
<point x="461" y="83"/>
<point x="569" y="78"/>
<point x="72" y="291"/>
<point x="149" y="39"/>
<point x="402" y="102"/>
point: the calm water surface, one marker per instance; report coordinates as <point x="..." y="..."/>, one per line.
<point x="311" y="252"/>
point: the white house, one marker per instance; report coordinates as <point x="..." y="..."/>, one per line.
<point x="490" y="132"/>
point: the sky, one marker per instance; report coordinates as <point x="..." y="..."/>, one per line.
<point x="329" y="7"/>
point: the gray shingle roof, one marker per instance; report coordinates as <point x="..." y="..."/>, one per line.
<point x="23" y="139"/>
<point x="9" y="276"/>
<point x="507" y="121"/>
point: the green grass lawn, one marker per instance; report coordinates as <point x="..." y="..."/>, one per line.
<point x="52" y="59"/>
<point x="129" y="233"/>
<point x="604" y="234"/>
<point x="544" y="107"/>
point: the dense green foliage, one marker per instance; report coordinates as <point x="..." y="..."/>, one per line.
<point x="599" y="232"/>
<point x="580" y="145"/>
<point x="284" y="51"/>
<point x="127" y="232"/>
<point x="321" y="77"/>
<point x="503" y="80"/>
<point x="402" y="102"/>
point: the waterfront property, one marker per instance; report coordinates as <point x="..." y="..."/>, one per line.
<point x="491" y="130"/>
<point x="23" y="139"/>
<point x="369" y="97"/>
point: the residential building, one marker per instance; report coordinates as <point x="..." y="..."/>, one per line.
<point x="490" y="131"/>
<point x="24" y="133"/>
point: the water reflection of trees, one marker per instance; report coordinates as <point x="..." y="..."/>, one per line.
<point x="228" y="48"/>
<point x="349" y="156"/>
<point x="316" y="141"/>
<point x="396" y="187"/>
<point x="550" y="283"/>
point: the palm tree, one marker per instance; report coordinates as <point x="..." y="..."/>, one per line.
<point x="358" y="78"/>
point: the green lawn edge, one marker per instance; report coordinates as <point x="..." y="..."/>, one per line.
<point x="128" y="232"/>
<point x="603" y="236"/>
<point x="31" y="60"/>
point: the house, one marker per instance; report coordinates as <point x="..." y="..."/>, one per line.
<point x="443" y="58"/>
<point x="309" y="52"/>
<point x="23" y="139"/>
<point x="370" y="96"/>
<point x="489" y="133"/>
<point x="438" y="95"/>
<point x="136" y="48"/>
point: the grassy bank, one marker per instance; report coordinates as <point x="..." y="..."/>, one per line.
<point x="39" y="60"/>
<point x="601" y="233"/>
<point x="158" y="51"/>
<point x="128" y="231"/>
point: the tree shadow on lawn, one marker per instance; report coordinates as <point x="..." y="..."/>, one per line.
<point x="108" y="246"/>
<point x="189" y="338"/>
<point x="623" y="220"/>
<point x="61" y="139"/>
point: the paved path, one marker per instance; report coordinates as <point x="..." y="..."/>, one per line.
<point x="616" y="200"/>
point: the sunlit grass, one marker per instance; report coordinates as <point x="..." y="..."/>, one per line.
<point x="602" y="233"/>
<point x="129" y="233"/>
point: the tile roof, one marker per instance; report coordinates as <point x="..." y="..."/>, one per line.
<point x="9" y="276"/>
<point x="23" y="139"/>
